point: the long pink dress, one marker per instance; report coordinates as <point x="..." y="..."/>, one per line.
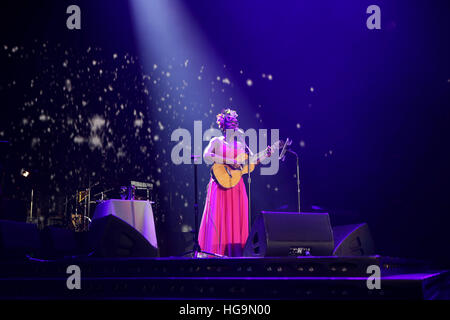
<point x="224" y="225"/>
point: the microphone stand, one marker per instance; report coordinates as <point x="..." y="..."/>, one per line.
<point x="249" y="183"/>
<point x="298" y="177"/>
<point x="241" y="138"/>
<point x="249" y="178"/>
<point x="31" y="206"/>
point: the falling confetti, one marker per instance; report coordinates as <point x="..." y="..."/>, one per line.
<point x="106" y="116"/>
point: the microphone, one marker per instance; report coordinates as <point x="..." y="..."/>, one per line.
<point x="240" y="134"/>
<point x="282" y="155"/>
<point x="239" y="131"/>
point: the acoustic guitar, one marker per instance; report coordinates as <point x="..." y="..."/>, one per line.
<point x="228" y="176"/>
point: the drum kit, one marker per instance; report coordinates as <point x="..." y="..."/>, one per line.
<point x="80" y="204"/>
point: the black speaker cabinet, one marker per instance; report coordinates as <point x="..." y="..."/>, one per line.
<point x="59" y="242"/>
<point x="19" y="239"/>
<point x="112" y="237"/>
<point x="353" y="240"/>
<point x="278" y="234"/>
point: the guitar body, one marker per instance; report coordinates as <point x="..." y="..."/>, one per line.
<point x="227" y="176"/>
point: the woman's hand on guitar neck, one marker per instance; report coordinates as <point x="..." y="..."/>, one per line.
<point x="268" y="154"/>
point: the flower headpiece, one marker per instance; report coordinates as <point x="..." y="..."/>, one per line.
<point x="227" y="116"/>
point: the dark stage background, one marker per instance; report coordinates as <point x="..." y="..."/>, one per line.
<point x="368" y="110"/>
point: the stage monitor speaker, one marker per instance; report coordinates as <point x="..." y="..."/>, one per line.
<point x="59" y="243"/>
<point x="353" y="240"/>
<point x="110" y="236"/>
<point x="19" y="240"/>
<point x="278" y="234"/>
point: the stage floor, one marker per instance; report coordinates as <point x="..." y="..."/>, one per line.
<point x="287" y="278"/>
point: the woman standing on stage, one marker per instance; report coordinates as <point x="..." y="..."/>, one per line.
<point x="224" y="225"/>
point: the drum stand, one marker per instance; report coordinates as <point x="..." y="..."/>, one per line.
<point x="196" y="250"/>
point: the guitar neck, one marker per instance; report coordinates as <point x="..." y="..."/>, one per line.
<point x="263" y="154"/>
